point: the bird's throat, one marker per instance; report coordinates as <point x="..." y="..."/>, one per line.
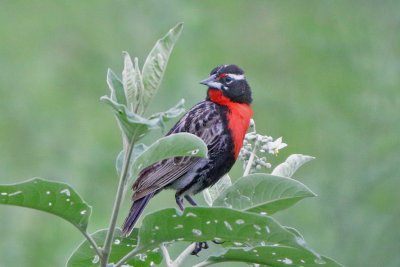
<point x="218" y="97"/>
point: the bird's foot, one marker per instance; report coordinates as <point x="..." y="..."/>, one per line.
<point x="191" y="200"/>
<point x="199" y="246"/>
<point x="179" y="201"/>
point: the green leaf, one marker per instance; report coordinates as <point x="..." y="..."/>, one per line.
<point x="156" y="62"/>
<point x="53" y="197"/>
<point x="294" y="231"/>
<point x="212" y="193"/>
<point x="139" y="107"/>
<point x="221" y="224"/>
<point x="133" y="84"/>
<point x="116" y="87"/>
<point x="128" y="80"/>
<point x="132" y="124"/>
<point x="291" y="164"/>
<point x="137" y="150"/>
<point x="274" y="256"/>
<point x="263" y="193"/>
<point x="85" y="256"/>
<point x="179" y="144"/>
<point x="165" y="116"/>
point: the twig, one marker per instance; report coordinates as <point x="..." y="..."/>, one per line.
<point x="178" y="261"/>
<point x="251" y="159"/>
<point x="167" y="257"/>
<point x="203" y="263"/>
<point x="93" y="243"/>
<point x="117" y="204"/>
<point x="126" y="258"/>
<point x="253" y="153"/>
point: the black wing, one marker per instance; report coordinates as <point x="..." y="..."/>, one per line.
<point x="204" y="120"/>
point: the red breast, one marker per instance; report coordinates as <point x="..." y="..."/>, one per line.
<point x="239" y="116"/>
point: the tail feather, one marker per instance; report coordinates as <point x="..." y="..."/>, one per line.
<point x="134" y="214"/>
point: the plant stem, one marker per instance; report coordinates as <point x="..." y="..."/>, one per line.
<point x="167" y="257"/>
<point x="251" y="159"/>
<point x="203" y="263"/>
<point x="253" y="153"/>
<point x="117" y="204"/>
<point x="93" y="243"/>
<point x="126" y="258"/>
<point x="177" y="262"/>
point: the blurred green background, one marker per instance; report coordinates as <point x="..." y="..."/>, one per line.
<point x="325" y="76"/>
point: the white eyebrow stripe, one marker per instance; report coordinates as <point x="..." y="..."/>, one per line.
<point x="236" y="76"/>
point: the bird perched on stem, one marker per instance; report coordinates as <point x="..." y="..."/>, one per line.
<point x="221" y="120"/>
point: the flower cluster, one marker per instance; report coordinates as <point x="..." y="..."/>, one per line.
<point x="254" y="144"/>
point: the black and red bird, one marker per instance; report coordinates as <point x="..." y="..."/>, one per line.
<point x="221" y="120"/>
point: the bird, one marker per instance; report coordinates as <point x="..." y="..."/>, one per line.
<point x="221" y="121"/>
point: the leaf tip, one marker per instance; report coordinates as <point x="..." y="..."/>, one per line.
<point x="104" y="98"/>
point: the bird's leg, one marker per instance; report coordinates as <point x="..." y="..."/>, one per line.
<point x="199" y="246"/>
<point x="179" y="201"/>
<point x="191" y="200"/>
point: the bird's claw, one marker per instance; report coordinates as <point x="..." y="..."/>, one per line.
<point x="199" y="246"/>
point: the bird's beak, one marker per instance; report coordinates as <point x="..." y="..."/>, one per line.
<point x="212" y="82"/>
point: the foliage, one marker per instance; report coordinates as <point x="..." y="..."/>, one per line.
<point x="263" y="193"/>
<point x="53" y="197"/>
<point x="238" y="216"/>
<point x="85" y="256"/>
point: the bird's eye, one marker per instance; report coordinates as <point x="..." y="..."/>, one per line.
<point x="228" y="79"/>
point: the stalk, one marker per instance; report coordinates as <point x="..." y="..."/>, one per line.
<point x="117" y="204"/>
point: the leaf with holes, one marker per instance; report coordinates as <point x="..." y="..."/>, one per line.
<point x="220" y="224"/>
<point x="263" y="193"/>
<point x="53" y="197"/>
<point x="156" y="62"/>
<point x="276" y="256"/>
<point x="291" y="164"/>
<point x="174" y="145"/>
<point x="85" y="256"/>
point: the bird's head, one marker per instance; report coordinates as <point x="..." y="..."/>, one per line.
<point x="231" y="82"/>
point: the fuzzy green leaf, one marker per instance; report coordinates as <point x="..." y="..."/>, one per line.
<point x="132" y="124"/>
<point x="139" y="107"/>
<point x="133" y="84"/>
<point x="53" y="197"/>
<point x="129" y="83"/>
<point x="273" y="256"/>
<point x="165" y="116"/>
<point x="137" y="150"/>
<point x="212" y="193"/>
<point x="156" y="62"/>
<point x="85" y="256"/>
<point x="263" y="193"/>
<point x="174" y="145"/>
<point x="116" y="87"/>
<point x="291" y="164"/>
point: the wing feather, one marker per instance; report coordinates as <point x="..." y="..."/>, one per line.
<point x="203" y="120"/>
